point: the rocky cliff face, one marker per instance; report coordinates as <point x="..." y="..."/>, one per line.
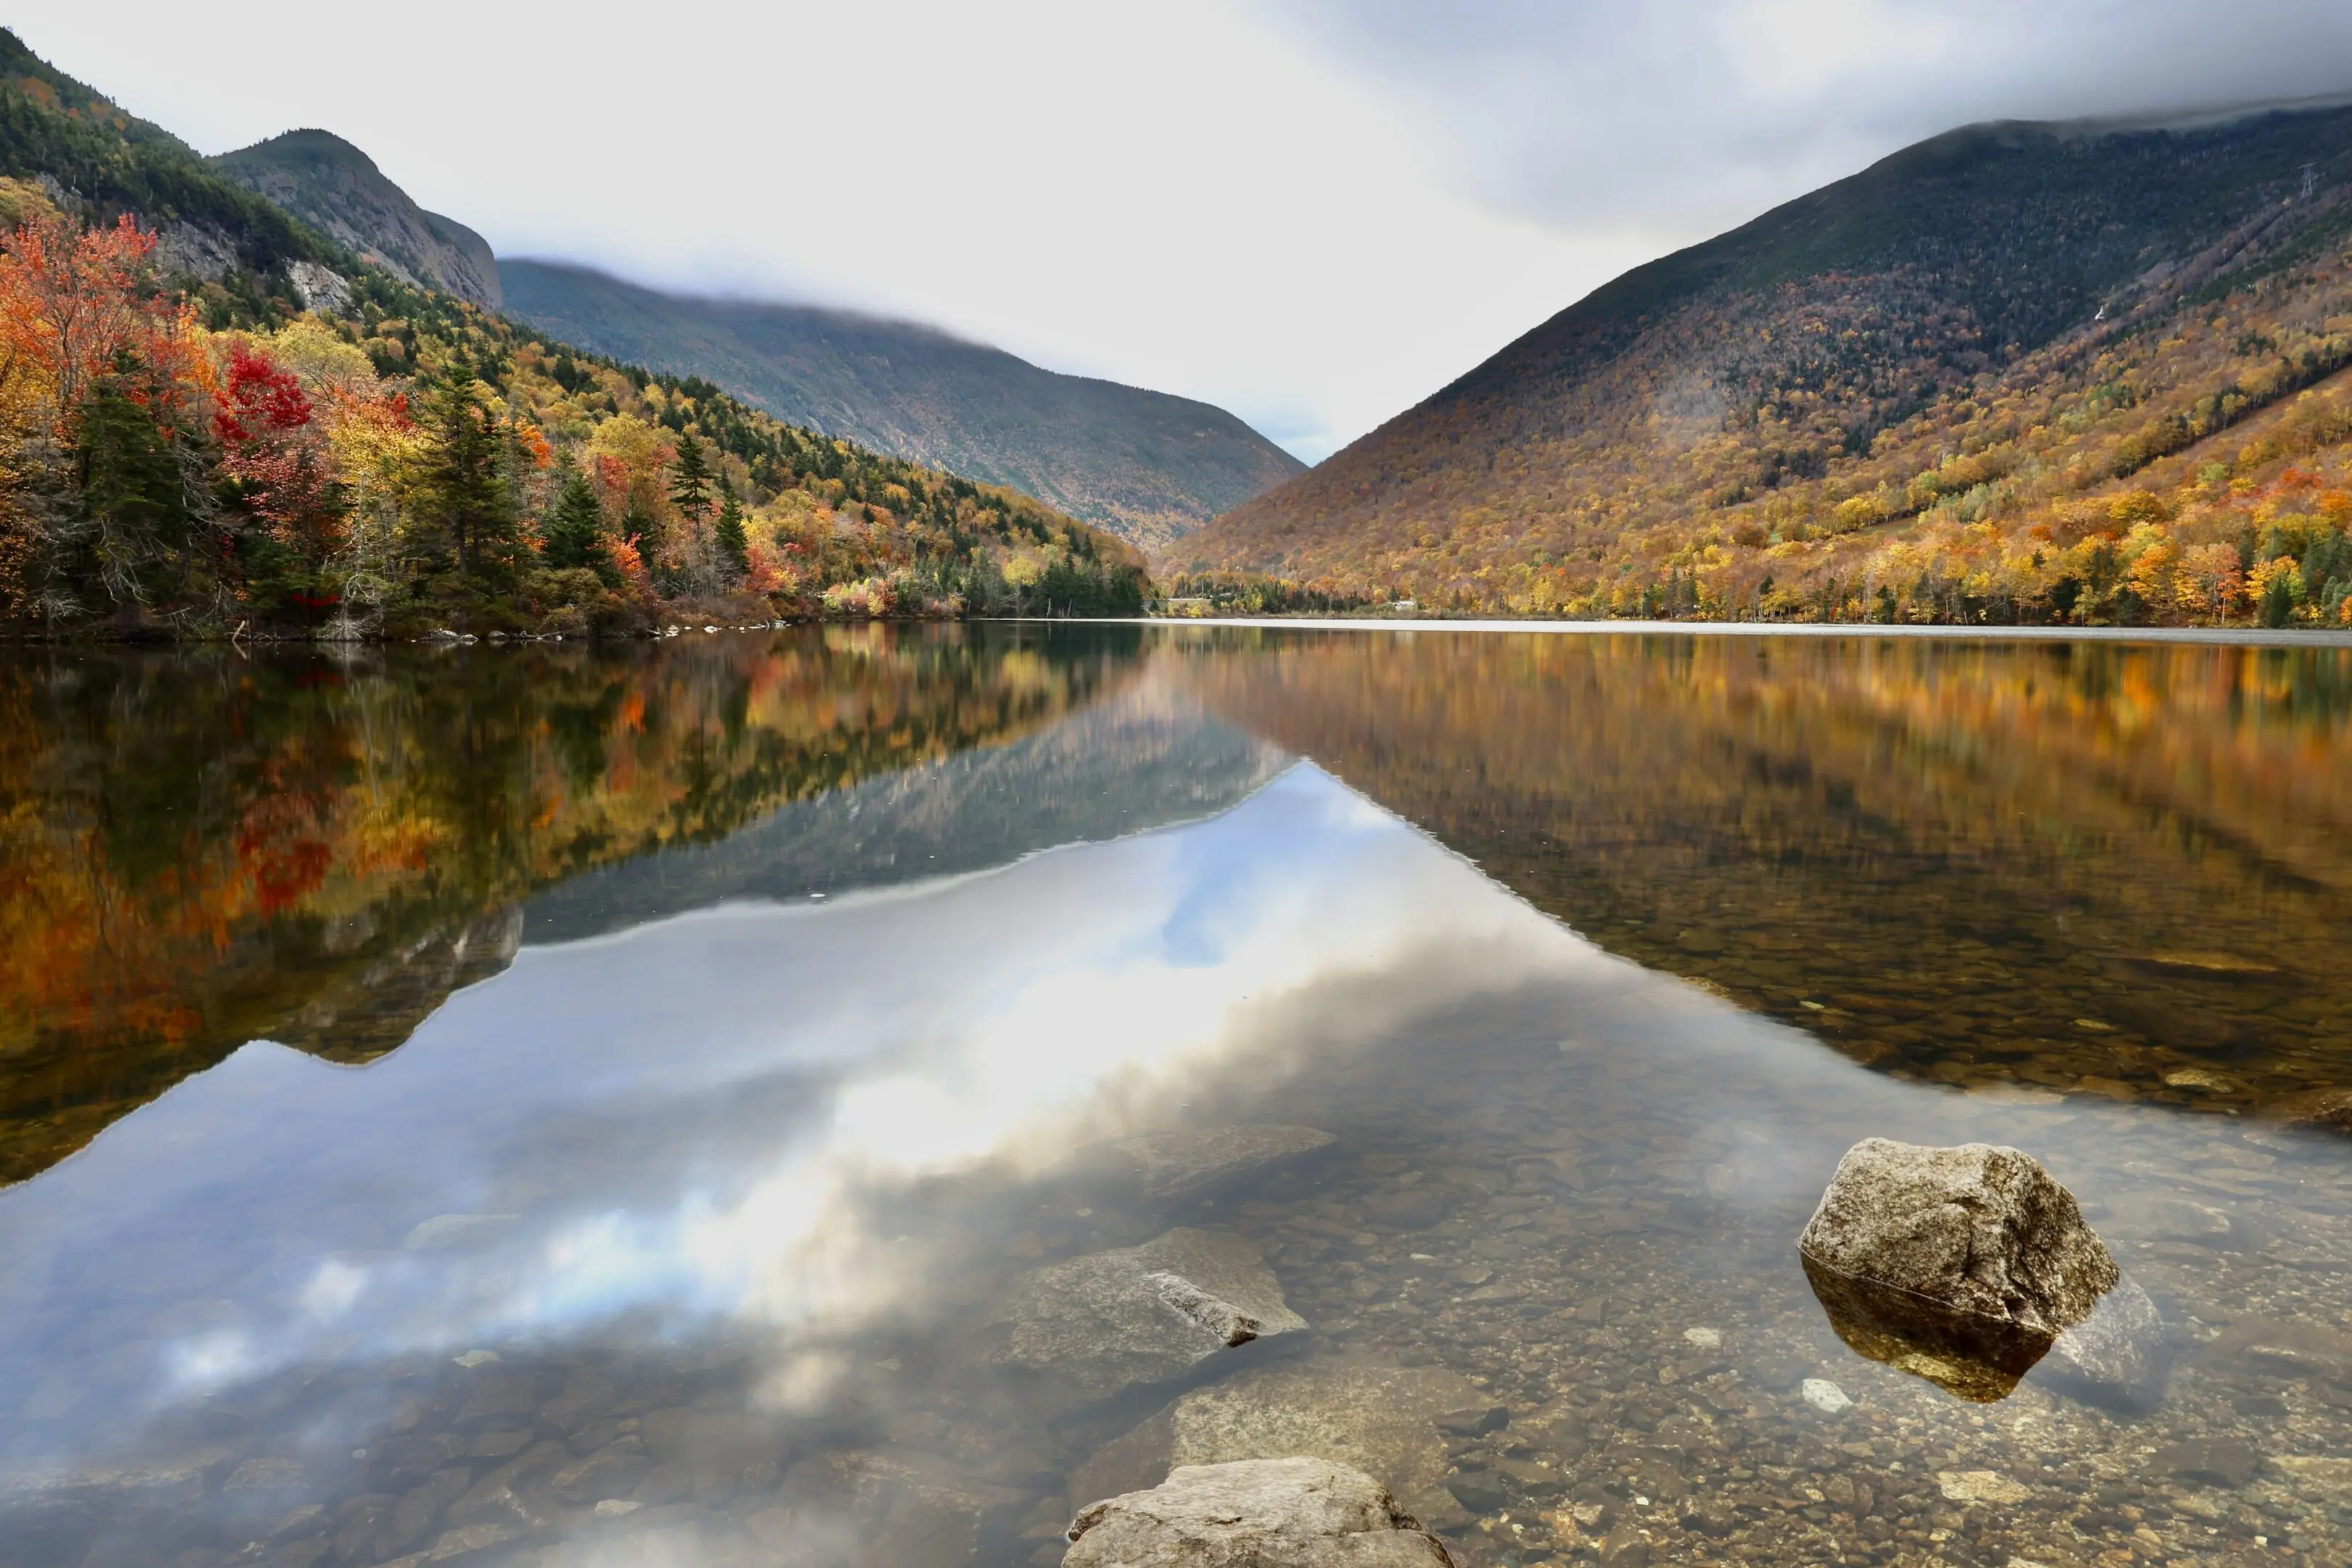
<point x="336" y="188"/>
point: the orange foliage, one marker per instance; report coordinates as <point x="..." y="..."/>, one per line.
<point x="70" y="305"/>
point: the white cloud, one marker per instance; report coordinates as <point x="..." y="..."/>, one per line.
<point x="1312" y="212"/>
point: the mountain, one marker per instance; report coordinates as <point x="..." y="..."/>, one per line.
<point x="2018" y="372"/>
<point x="337" y="190"/>
<point x="1146" y="465"/>
<point x="282" y="423"/>
<point x="68" y="142"/>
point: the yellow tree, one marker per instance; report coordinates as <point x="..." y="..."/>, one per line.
<point x="2209" y="581"/>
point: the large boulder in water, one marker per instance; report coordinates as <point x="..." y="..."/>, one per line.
<point x="1254" y="1513"/>
<point x="1132" y="1316"/>
<point x="1961" y="1264"/>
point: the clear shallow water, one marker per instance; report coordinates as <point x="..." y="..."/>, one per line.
<point x="505" y="1156"/>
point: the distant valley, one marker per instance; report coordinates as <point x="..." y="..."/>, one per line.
<point x="1145" y="465"/>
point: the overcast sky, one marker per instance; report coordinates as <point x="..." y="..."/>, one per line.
<point x="1311" y="212"/>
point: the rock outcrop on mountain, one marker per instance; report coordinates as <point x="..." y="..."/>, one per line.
<point x="337" y="190"/>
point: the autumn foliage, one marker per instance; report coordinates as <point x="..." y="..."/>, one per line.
<point x="410" y="464"/>
<point x="2003" y="377"/>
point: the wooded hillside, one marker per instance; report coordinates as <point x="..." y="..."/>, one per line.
<point x="216" y="420"/>
<point x="2017" y="373"/>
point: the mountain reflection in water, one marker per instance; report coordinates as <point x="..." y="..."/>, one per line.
<point x="2092" y="866"/>
<point x="657" y="1211"/>
<point x="199" y="851"/>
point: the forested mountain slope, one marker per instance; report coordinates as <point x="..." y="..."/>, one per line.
<point x="69" y="143"/>
<point x="337" y="190"/>
<point x="216" y="420"/>
<point x="1149" y="466"/>
<point x="2017" y="372"/>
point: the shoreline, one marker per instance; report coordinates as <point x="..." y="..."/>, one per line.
<point x="2226" y="636"/>
<point x="2214" y="636"/>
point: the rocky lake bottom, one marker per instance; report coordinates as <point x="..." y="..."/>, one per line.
<point x="893" y="1226"/>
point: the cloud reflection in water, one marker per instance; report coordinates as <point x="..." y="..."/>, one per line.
<point x="685" y="1125"/>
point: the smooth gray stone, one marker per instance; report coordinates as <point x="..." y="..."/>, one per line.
<point x="1133" y="1316"/>
<point x="1296" y="1512"/>
<point x="1379" y="1419"/>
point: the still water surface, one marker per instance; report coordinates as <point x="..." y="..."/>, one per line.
<point x="677" y="1106"/>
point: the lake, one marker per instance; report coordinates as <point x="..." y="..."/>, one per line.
<point x="731" y="1099"/>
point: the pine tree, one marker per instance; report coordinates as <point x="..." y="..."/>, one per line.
<point x="467" y="505"/>
<point x="689" y="485"/>
<point x="135" y="519"/>
<point x="734" y="549"/>
<point x="576" y="531"/>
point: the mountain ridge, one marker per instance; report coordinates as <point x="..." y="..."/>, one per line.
<point x="336" y="188"/>
<point x="1150" y="466"/>
<point x="1776" y="408"/>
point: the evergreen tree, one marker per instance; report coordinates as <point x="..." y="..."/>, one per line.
<point x="135" y="519"/>
<point x="734" y="549"/>
<point x="467" y="508"/>
<point x="638" y="524"/>
<point x="576" y="531"/>
<point x="689" y="483"/>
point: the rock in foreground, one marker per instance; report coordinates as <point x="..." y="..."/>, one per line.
<point x="1254" y="1513"/>
<point x="1138" y="1315"/>
<point x="1366" y="1414"/>
<point x="1960" y="1265"/>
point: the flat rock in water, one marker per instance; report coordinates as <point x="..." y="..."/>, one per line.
<point x="1300" y="1512"/>
<point x="1981" y="1486"/>
<point x="2158" y="1217"/>
<point x="1960" y="1265"/>
<point x="456" y="1230"/>
<point x="2207" y="962"/>
<point x="1133" y="1316"/>
<point x="1188" y="1163"/>
<point x="36" y="1503"/>
<point x="1377" y="1418"/>
<point x="2223" y="1461"/>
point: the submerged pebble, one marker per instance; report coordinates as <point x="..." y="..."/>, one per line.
<point x="1824" y="1395"/>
